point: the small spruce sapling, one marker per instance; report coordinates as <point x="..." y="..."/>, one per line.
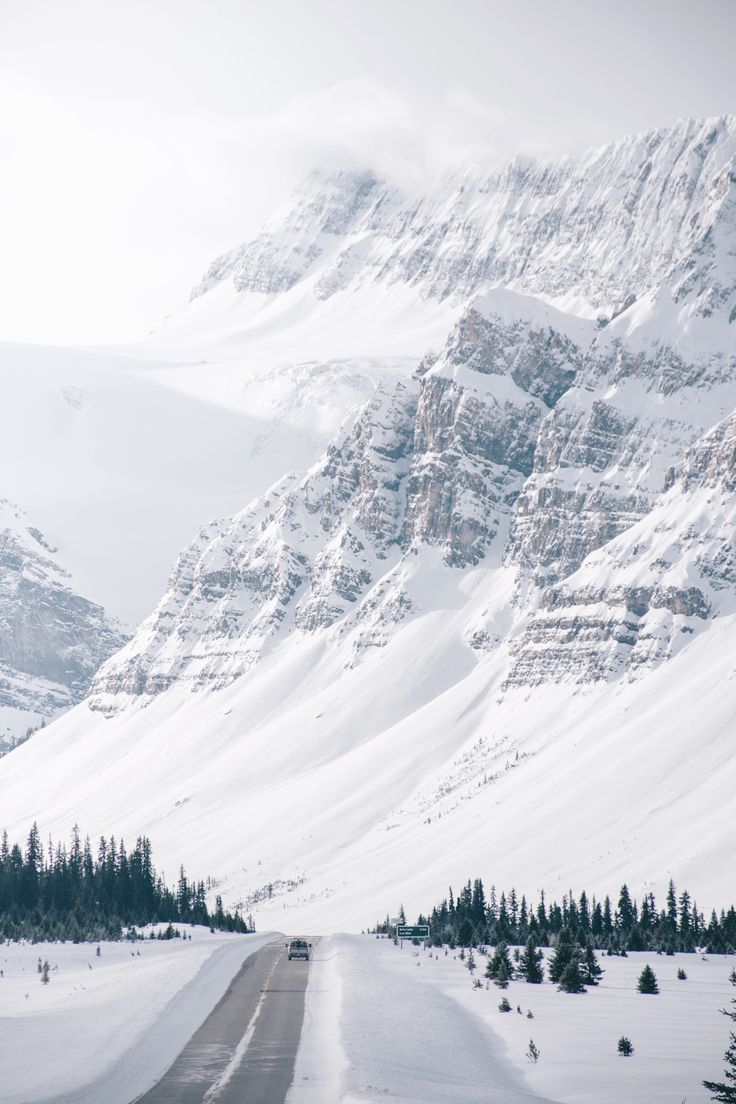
<point x="681" y="975"/>
<point x="533" y="1052"/>
<point x="647" y="982"/>
<point x="45" y="973"/>
<point x="503" y="977"/>
<point x="625" y="1047"/>
<point x="504" y="1005"/>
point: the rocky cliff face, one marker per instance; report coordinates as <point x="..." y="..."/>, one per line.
<point x="51" y="639"/>
<point x="561" y="450"/>
<point x="590" y="228"/>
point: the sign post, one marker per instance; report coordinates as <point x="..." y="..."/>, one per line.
<point x="412" y="931"/>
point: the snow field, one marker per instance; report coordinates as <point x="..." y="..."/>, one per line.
<point x="412" y="1027"/>
<point x="107" y="1027"/>
<point x="376" y="1028"/>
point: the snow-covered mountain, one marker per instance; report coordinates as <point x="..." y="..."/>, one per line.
<point x="596" y="231"/>
<point x="52" y="640"/>
<point x="488" y="626"/>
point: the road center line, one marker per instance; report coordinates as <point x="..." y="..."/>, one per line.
<point x="216" y="1088"/>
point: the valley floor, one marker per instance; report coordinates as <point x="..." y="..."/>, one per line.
<point x="381" y="1023"/>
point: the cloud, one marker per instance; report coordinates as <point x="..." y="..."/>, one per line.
<point x="365" y="124"/>
<point x="110" y="211"/>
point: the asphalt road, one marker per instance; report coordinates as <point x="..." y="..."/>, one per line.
<point x="244" y="1052"/>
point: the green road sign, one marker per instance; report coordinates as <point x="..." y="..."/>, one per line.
<point x="412" y="931"/>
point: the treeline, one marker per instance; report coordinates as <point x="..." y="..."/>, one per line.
<point x="475" y="918"/>
<point x="71" y="893"/>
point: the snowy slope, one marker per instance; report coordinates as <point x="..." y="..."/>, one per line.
<point x="119" y="456"/>
<point x="396" y="736"/>
<point x="486" y="626"/>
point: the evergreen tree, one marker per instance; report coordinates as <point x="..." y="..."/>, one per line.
<point x="572" y="977"/>
<point x="592" y="972"/>
<point x="473" y="919"/>
<point x="67" y="894"/>
<point x="647" y="982"/>
<point x="625" y="912"/>
<point x="607" y="919"/>
<point x="499" y="968"/>
<point x="530" y="963"/>
<point x="533" y="1052"/>
<point x="465" y="932"/>
<point x="671" y="907"/>
<point x="566" y="950"/>
<point x="625" y="1046"/>
<point x="725" y="1091"/>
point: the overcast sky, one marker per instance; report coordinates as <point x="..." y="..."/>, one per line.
<point x="141" y="138"/>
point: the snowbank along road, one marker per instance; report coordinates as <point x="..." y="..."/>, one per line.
<point x="246" y="1048"/>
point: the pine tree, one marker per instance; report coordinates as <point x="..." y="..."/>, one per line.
<point x="647" y="982"/>
<point x="499" y="967"/>
<point x="566" y="950"/>
<point x="592" y="972"/>
<point x="533" y="1053"/>
<point x="572" y="977"/>
<point x="530" y="963"/>
<point x="626" y="913"/>
<point x="45" y="973"/>
<point x="625" y="1046"/>
<point x="723" y="1091"/>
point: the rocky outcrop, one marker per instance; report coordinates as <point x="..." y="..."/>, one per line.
<point x="589" y="227"/>
<point x="52" y="640"/>
<point x="436" y="460"/>
<point x="563" y="451"/>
